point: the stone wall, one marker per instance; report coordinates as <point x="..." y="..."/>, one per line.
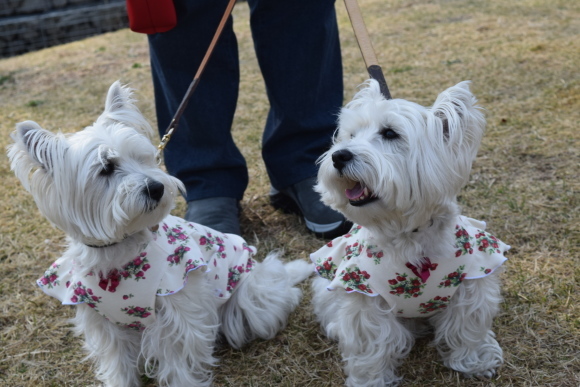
<point x="28" y="25"/>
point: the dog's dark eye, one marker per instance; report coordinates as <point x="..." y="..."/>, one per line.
<point x="389" y="134"/>
<point x="108" y="169"/>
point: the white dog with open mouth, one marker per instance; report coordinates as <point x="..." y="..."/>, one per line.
<point x="395" y="170"/>
<point x="152" y="291"/>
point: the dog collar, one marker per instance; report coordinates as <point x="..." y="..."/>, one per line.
<point x="101" y="246"/>
<point x="152" y="229"/>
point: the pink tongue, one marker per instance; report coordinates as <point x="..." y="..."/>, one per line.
<point x="354" y="192"/>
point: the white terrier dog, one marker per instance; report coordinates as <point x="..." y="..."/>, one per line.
<point x="395" y="169"/>
<point x="165" y="286"/>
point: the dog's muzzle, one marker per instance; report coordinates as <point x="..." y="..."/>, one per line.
<point x="359" y="194"/>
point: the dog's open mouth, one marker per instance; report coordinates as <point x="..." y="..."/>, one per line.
<point x="359" y="195"/>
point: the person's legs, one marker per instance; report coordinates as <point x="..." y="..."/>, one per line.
<point x="201" y="152"/>
<point x="298" y="51"/>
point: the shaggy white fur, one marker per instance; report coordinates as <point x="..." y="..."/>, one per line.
<point x="103" y="188"/>
<point x="396" y="168"/>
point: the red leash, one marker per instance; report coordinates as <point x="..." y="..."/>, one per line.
<point x="175" y="121"/>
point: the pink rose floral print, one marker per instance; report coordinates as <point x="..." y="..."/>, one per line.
<point x="137" y="311"/>
<point x="191" y="264"/>
<point x="235" y="274"/>
<point x="407" y="287"/>
<point x="375" y="255"/>
<point x="209" y="241"/>
<point x="487" y="243"/>
<point x="174" y="234"/>
<point x="434" y="304"/>
<point x="135" y="325"/>
<point x="356" y="279"/>
<point x="177" y="255"/>
<point x="353" y="250"/>
<point x="82" y="294"/>
<point x="126" y="295"/>
<point x="453" y="279"/>
<point x="463" y="241"/>
<point x="485" y="270"/>
<point x="50" y="277"/>
<point x="326" y="267"/>
<point x="356" y="259"/>
<point x="353" y="231"/>
<point x="136" y="268"/>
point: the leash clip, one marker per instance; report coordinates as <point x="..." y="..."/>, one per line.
<point x="194" y="83"/>
<point x="163" y="144"/>
<point x="165" y="140"/>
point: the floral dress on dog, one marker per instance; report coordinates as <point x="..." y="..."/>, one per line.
<point x="353" y="262"/>
<point x="126" y="297"/>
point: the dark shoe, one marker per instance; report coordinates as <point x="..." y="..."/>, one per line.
<point x="221" y="214"/>
<point x="301" y="199"/>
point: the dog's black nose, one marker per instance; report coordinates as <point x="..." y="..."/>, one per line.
<point x="341" y="158"/>
<point x="154" y="189"/>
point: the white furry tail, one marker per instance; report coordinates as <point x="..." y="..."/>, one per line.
<point x="262" y="302"/>
<point x="298" y="270"/>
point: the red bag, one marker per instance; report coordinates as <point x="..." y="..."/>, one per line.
<point x="151" y="16"/>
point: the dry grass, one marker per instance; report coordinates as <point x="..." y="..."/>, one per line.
<point x="523" y="59"/>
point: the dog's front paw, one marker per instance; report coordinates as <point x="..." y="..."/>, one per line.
<point x="388" y="380"/>
<point x="491" y="360"/>
<point x="481" y="363"/>
<point x="486" y="375"/>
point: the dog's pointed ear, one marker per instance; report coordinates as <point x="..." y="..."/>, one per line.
<point x="456" y="108"/>
<point x="370" y="91"/>
<point x="461" y="127"/>
<point x="120" y="108"/>
<point x="34" y="149"/>
<point x="119" y="98"/>
<point x="35" y="141"/>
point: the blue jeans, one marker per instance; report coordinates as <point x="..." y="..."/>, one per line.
<point x="298" y="50"/>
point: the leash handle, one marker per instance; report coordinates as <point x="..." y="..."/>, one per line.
<point x="365" y="45"/>
<point x="193" y="85"/>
